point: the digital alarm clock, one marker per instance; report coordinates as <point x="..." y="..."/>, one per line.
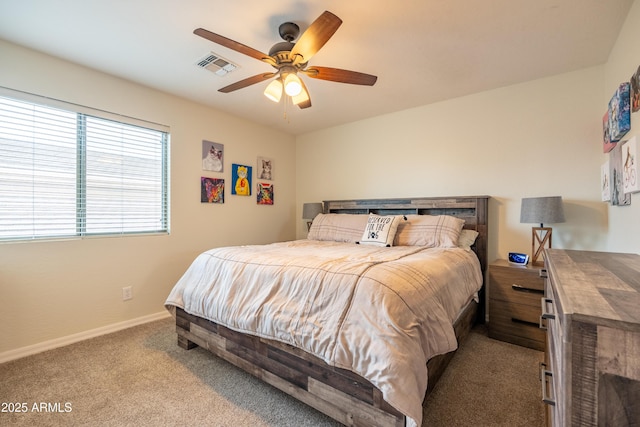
<point x="518" y="258"/>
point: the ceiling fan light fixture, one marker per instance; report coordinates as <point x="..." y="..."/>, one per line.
<point x="292" y="85"/>
<point x="274" y="90"/>
<point x="303" y="96"/>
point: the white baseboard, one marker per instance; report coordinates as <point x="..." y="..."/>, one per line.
<point x="81" y="336"/>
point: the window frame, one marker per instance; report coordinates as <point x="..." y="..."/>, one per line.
<point x="82" y="113"/>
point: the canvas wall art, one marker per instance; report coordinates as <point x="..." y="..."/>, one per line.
<point x="629" y="160"/>
<point x="635" y="91"/>
<point x="211" y="190"/>
<point x="605" y="181"/>
<point x="265" y="193"/>
<point x="606" y="137"/>
<point x="618" y="196"/>
<point x="241" y="180"/>
<point x="212" y="156"/>
<point x="620" y="113"/>
<point x="264" y="169"/>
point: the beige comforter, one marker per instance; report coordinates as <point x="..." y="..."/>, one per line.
<point x="377" y="311"/>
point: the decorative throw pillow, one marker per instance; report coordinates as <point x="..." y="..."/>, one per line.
<point x="337" y="227"/>
<point x="380" y="230"/>
<point x="467" y="239"/>
<point x="429" y="230"/>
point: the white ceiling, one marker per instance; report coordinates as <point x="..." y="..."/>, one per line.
<point x="422" y="51"/>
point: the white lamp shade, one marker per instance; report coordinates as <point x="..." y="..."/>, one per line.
<point x="274" y="90"/>
<point x="292" y="84"/>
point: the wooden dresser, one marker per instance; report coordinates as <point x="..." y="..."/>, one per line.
<point x="514" y="304"/>
<point x="592" y="312"/>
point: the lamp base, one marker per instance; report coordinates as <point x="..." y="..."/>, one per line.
<point x="540" y="240"/>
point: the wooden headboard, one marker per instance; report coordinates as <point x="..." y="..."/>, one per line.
<point x="473" y="209"/>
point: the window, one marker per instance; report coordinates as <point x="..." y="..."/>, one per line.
<point x="79" y="173"/>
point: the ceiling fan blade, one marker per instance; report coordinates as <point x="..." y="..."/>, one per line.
<point x="341" y="76"/>
<point x="306" y="103"/>
<point x="232" y="44"/>
<point x="318" y="33"/>
<point x="246" y="82"/>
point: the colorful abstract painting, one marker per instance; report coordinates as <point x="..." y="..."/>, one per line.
<point x="265" y="193"/>
<point x="211" y="190"/>
<point x="620" y="113"/>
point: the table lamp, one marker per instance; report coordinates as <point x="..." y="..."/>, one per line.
<point x="310" y="211"/>
<point x="541" y="210"/>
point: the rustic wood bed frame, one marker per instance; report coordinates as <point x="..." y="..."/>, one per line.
<point x="339" y="393"/>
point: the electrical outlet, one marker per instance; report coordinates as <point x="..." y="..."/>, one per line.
<point x="127" y="293"/>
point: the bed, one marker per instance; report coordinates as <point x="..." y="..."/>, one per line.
<point x="358" y="331"/>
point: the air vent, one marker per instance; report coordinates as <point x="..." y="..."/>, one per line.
<point x="217" y="65"/>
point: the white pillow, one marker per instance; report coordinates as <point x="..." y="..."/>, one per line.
<point x="429" y="230"/>
<point x="380" y="230"/>
<point x="337" y="227"/>
<point x="467" y="239"/>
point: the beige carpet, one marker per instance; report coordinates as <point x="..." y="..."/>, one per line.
<point x="141" y="377"/>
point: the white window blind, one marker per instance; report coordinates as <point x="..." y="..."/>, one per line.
<point x="68" y="174"/>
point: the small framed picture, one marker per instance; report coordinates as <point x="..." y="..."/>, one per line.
<point x="265" y="169"/>
<point x="635" y="91"/>
<point x="265" y="193"/>
<point x="605" y="182"/>
<point x="211" y="190"/>
<point x="616" y="177"/>
<point x="241" y="180"/>
<point x="212" y="156"/>
<point x="630" y="183"/>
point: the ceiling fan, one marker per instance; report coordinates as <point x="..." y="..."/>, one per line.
<point x="289" y="59"/>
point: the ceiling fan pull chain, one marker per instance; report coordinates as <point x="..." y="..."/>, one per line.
<point x="285" y="104"/>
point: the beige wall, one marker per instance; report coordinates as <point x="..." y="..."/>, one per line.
<point x="540" y="138"/>
<point x="59" y="288"/>
<point x="624" y="221"/>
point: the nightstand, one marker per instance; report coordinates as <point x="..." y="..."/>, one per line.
<point x="515" y="292"/>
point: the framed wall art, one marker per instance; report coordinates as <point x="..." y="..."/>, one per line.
<point x="265" y="193"/>
<point x="606" y="137"/>
<point x="264" y="169"/>
<point x="211" y="190"/>
<point x="618" y="196"/>
<point x="212" y="156"/>
<point x="635" y="91"/>
<point x="629" y="160"/>
<point x="605" y="181"/>
<point x="241" y="180"/>
<point x="620" y="113"/>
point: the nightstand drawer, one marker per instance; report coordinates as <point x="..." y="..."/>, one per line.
<point x="514" y="304"/>
<point x="515" y="285"/>
<point x="516" y="323"/>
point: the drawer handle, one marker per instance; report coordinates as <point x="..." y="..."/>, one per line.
<point x="545" y="314"/>
<point x="542" y="273"/>
<point x="519" y="288"/>
<point x="524" y="322"/>
<point x="543" y="379"/>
